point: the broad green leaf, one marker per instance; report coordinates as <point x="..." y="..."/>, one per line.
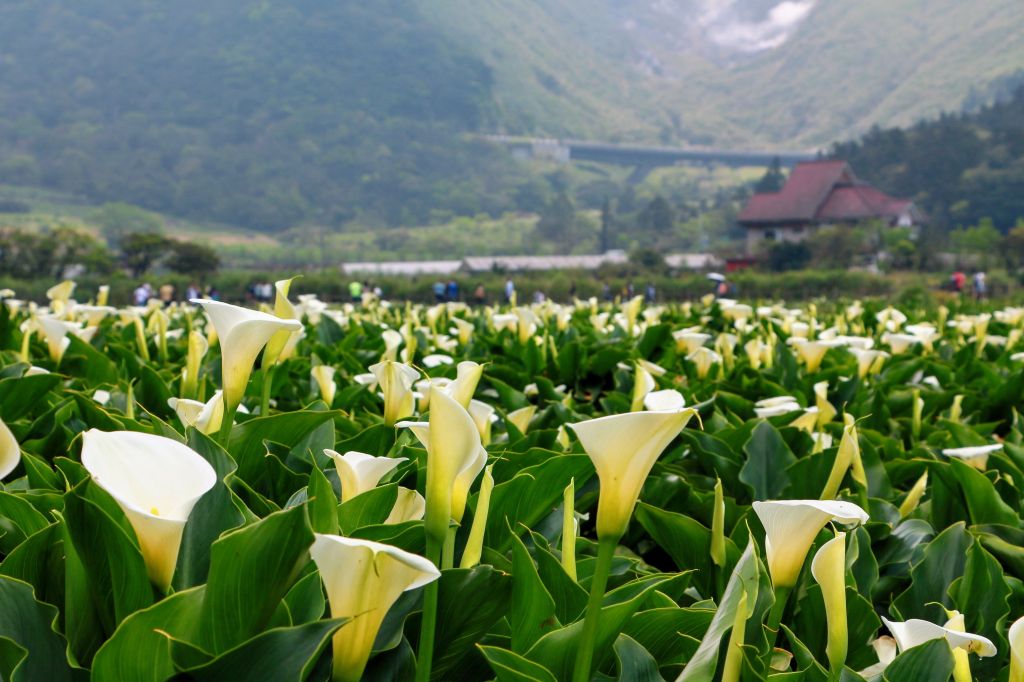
<point x="768" y="457"/>
<point x="509" y="666"/>
<point x="323" y="504"/>
<point x="286" y="654"/>
<point x="931" y="661"/>
<point x="371" y="508"/>
<point x="246" y="443"/>
<point x="140" y="649"/>
<point x="29" y="624"/>
<point x="251" y="570"/>
<point x="942" y="563"/>
<point x="18" y="396"/>
<point x="533" y="609"/>
<point x="459" y="628"/>
<point x="635" y="663"/>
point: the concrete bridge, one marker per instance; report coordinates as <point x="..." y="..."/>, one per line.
<point x="642" y="158"/>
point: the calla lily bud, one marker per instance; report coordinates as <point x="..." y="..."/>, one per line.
<point x="103" y="294"/>
<point x="632" y="311"/>
<point x="283" y="309"/>
<point x="643" y="383"/>
<point x="956" y="409"/>
<point x="463" y="329"/>
<point x="10" y="453"/>
<point x="913" y="498"/>
<point x="733" y="663"/>
<point x="323" y="375"/>
<point x="915" y="631"/>
<point x="483" y="416"/>
<point x="197" y="347"/>
<point x="562" y="438"/>
<point x="453" y="449"/>
<point x="475" y="543"/>
<point x="569" y="529"/>
<point x="961" y="663"/>
<point x="718" y="527"/>
<point x="521" y="418"/>
<point x="624" y="448"/>
<point x="847" y="458"/>
<point x="207" y="417"/>
<point x="243" y="333"/>
<point x="917" y="403"/>
<point x="156" y="481"/>
<point x="464" y="481"/>
<point x="790" y="528"/>
<point x="359" y="472"/>
<point x="467" y="377"/>
<point x="409" y="506"/>
<point x="141" y="342"/>
<point x="826" y="412"/>
<point x="1016" y="637"/>
<point x="829" y="570"/>
<point x="396" y="381"/>
<point x="753" y="349"/>
<point x="363" y="580"/>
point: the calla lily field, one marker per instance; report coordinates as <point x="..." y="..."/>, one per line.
<point x="694" y="491"/>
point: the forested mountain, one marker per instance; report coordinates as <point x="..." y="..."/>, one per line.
<point x="256" y="113"/>
<point x="961" y="169"/>
<point x="271" y="114"/>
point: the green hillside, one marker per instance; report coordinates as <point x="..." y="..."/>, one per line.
<point x="271" y="115"/>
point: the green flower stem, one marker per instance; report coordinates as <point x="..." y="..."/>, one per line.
<point x="585" y="652"/>
<point x="425" y="655"/>
<point x="775" y="618"/>
<point x="448" y="550"/>
<point x="225" y="426"/>
<point x="268" y="380"/>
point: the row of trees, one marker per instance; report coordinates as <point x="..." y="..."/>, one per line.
<point x="54" y="252"/>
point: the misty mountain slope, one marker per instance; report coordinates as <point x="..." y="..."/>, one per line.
<point x="733" y="72"/>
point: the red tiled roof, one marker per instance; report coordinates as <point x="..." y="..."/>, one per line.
<point x="807" y="187"/>
<point x="861" y="202"/>
<point x="821" y="191"/>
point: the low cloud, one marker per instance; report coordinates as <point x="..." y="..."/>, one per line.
<point x="724" y="27"/>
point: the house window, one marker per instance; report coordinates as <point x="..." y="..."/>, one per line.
<point x="770" y="235"/>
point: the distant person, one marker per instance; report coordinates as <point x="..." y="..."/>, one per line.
<point x="720" y="286"/>
<point x="167" y="294"/>
<point x="957" y="281"/>
<point x="140" y="296"/>
<point x="480" y="294"/>
<point x="355" y="291"/>
<point x="451" y="291"/>
<point x="193" y="291"/>
<point x="650" y="293"/>
<point x="213" y="293"/>
<point x="539" y="296"/>
<point x="572" y="290"/>
<point x="980" y="286"/>
<point x="439" y="290"/>
<point x="606" y="291"/>
<point x="510" y="290"/>
<point x="378" y="293"/>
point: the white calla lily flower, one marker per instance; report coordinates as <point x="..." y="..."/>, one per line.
<point x="975" y="455"/>
<point x="10" y="452"/>
<point x="915" y="632"/>
<point x="363" y="580"/>
<point x="624" y="448"/>
<point x="359" y="472"/>
<point x="396" y="381"/>
<point x="323" y="375"/>
<point x="156" y="481"/>
<point x="667" y="400"/>
<point x="790" y="528"/>
<point x="409" y="506"/>
<point x="1016" y="637"/>
<point x="521" y="418"/>
<point x="242" y="334"/>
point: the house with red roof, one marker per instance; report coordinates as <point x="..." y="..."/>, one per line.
<point x="817" y="194"/>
